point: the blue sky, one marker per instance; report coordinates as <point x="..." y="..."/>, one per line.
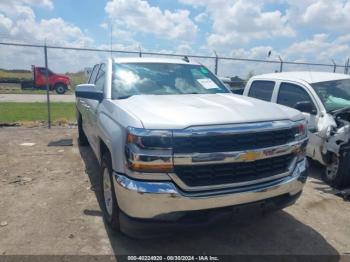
<point x="299" y="30"/>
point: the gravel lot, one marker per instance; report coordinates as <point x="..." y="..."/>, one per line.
<point x="35" y="98"/>
<point x="48" y="205"/>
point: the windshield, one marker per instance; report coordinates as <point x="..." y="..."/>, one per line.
<point x="163" y="79"/>
<point x="333" y="94"/>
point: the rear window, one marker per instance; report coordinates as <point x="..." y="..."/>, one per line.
<point x="262" y="90"/>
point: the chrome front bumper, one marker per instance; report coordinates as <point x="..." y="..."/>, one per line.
<point x="156" y="200"/>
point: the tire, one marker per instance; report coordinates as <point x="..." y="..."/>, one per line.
<point x="109" y="202"/>
<point x="60" y="89"/>
<point x="82" y="139"/>
<point x="337" y="173"/>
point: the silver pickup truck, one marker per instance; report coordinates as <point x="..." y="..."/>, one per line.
<point x="177" y="148"/>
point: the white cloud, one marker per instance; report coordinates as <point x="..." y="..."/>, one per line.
<point x="202" y="17"/>
<point x="320" y="48"/>
<point x="320" y="15"/>
<point x="104" y="25"/>
<point x="243" y="68"/>
<point x="5" y="23"/>
<point x="22" y="7"/>
<point x="140" y="16"/>
<point x="18" y="23"/>
<point x="236" y="23"/>
<point x="41" y="3"/>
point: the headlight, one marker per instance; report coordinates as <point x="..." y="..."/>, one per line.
<point x="149" y="150"/>
<point x="150" y="139"/>
<point x="300" y="133"/>
<point x="300" y="130"/>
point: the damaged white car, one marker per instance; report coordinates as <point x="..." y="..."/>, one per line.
<point x="324" y="99"/>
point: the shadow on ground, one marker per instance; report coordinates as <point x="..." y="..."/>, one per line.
<point x="276" y="233"/>
<point x="315" y="170"/>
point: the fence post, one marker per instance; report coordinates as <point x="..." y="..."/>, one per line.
<point x="281" y="64"/>
<point x="140" y="52"/>
<point x="334" y="66"/>
<point x="346" y="69"/>
<point x="216" y="62"/>
<point x="47" y="88"/>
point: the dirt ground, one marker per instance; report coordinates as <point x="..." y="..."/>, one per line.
<point x="48" y="205"/>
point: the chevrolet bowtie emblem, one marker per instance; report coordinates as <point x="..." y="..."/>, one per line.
<point x="250" y="156"/>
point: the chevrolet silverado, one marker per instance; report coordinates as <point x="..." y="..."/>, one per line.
<point x="176" y="147"/>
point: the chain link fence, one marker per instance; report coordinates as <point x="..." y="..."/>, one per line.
<point x="17" y="59"/>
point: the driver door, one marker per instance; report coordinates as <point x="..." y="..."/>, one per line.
<point x="92" y="108"/>
<point x="84" y="106"/>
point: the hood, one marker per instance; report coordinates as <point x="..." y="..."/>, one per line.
<point x="62" y="76"/>
<point x="181" y="111"/>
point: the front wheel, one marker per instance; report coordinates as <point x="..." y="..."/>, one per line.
<point x="60" y="89"/>
<point x="337" y="172"/>
<point x="109" y="202"/>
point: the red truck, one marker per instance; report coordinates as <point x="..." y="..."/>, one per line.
<point x="58" y="82"/>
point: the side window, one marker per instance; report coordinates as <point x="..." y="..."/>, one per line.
<point x="100" y="79"/>
<point x="262" y="90"/>
<point x="43" y="71"/>
<point x="290" y="94"/>
<point x="93" y="74"/>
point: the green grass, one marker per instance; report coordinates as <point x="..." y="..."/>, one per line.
<point x="24" y="92"/>
<point x="29" y="112"/>
<point x="19" y="91"/>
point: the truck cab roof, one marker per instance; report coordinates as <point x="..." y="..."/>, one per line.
<point x="307" y="76"/>
<point x="123" y="60"/>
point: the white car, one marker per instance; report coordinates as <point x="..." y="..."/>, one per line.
<point x="324" y="99"/>
<point x="176" y="147"/>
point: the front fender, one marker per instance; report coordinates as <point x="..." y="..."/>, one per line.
<point x="113" y="135"/>
<point x="112" y="123"/>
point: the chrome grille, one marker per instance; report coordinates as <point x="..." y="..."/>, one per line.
<point x="218" y="174"/>
<point x="232" y="142"/>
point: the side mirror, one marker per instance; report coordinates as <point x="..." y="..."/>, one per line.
<point x="88" y="91"/>
<point x="305" y="106"/>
